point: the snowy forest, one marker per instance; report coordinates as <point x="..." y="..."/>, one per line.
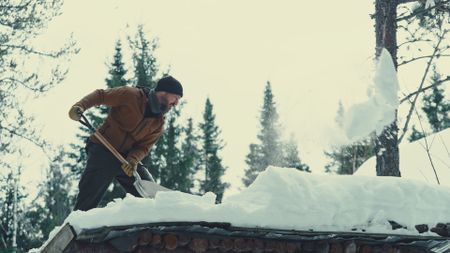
<point x="188" y="157"/>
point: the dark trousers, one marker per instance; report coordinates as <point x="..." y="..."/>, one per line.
<point x="101" y="169"/>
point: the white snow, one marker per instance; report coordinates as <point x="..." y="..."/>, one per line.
<point x="283" y="198"/>
<point x="430" y="4"/>
<point x="379" y="109"/>
<point x="415" y="163"/>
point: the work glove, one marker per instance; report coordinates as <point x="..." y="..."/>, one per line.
<point x="129" y="167"/>
<point x="75" y="112"/>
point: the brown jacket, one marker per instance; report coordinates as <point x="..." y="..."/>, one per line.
<point x="125" y="127"/>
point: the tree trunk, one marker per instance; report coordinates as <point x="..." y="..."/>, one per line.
<point x="386" y="37"/>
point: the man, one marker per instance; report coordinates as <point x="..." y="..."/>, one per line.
<point x="133" y="125"/>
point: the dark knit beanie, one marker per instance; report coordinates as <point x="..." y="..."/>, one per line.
<point x="169" y="84"/>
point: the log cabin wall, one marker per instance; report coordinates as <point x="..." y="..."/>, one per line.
<point x="201" y="239"/>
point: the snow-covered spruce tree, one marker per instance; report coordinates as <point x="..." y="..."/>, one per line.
<point x="78" y="156"/>
<point x="210" y="161"/>
<point x="190" y="156"/>
<point x="291" y="157"/>
<point x="53" y="202"/>
<point x="268" y="150"/>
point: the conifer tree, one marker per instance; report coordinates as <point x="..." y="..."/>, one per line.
<point x="170" y="173"/>
<point x="175" y="167"/>
<point x="436" y="108"/>
<point x="256" y="163"/>
<point x="178" y="166"/>
<point x="291" y="156"/>
<point x="117" y="70"/>
<point x="9" y="209"/>
<point x="146" y="68"/>
<point x="415" y="134"/>
<point x="347" y="159"/>
<point x="54" y="195"/>
<point x="210" y="161"/>
<point x="155" y="161"/>
<point x="189" y="164"/>
<point x="18" y="235"/>
<point x="268" y="150"/>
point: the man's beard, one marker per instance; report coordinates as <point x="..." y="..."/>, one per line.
<point x="163" y="105"/>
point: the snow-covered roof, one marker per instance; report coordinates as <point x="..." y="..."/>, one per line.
<point x="284" y="198"/>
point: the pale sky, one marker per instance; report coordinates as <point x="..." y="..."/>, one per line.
<point x="313" y="53"/>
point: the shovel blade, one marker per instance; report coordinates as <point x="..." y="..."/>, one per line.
<point x="148" y="189"/>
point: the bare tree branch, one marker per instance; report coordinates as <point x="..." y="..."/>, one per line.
<point x="40" y="145"/>
<point x="32" y="51"/>
<point x="422" y="57"/>
<point x="413" y="35"/>
<point x="408" y="118"/>
<point x="413" y="41"/>
<point x="21" y="23"/>
<point x="427" y="147"/>
<point x="24" y="83"/>
<point x="407" y="97"/>
<point x="32" y="82"/>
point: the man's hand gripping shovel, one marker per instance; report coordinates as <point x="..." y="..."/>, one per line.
<point x="145" y="188"/>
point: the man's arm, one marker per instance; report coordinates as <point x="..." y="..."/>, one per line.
<point x="109" y="97"/>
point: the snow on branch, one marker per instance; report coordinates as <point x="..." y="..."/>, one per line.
<point x="428" y="7"/>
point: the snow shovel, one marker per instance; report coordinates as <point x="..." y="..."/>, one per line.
<point x="145" y="188"/>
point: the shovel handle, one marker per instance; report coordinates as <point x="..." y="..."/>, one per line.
<point x="138" y="183"/>
<point x="110" y="147"/>
<point x="118" y="155"/>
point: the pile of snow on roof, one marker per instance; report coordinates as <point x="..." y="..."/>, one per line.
<point x="284" y="198"/>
